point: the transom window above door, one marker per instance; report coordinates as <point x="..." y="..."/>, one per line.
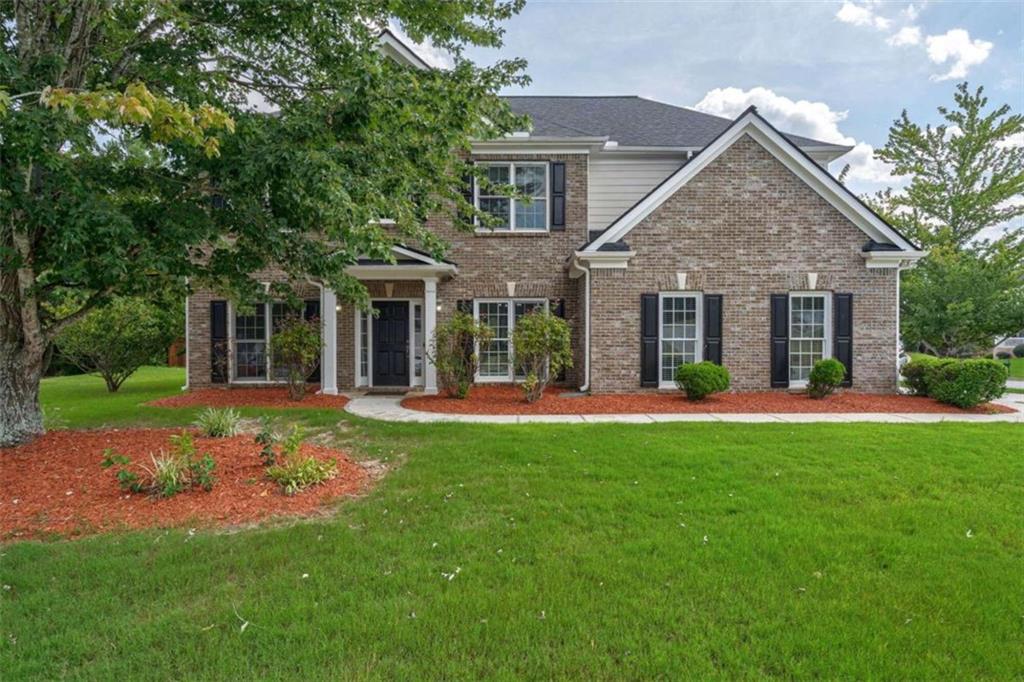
<point x="513" y="214"/>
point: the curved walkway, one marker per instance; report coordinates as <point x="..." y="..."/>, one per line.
<point x="389" y="408"/>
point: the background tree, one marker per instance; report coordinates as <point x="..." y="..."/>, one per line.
<point x="132" y="155"/>
<point x="966" y="178"/>
<point x="116" y="339"/>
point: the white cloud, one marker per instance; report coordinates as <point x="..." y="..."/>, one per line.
<point x="860" y="15"/>
<point x="811" y="119"/>
<point x="908" y="35"/>
<point x="912" y="12"/>
<point x="1015" y="140"/>
<point x="956" y="46"/>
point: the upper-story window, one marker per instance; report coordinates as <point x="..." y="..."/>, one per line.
<point x="512" y="214"/>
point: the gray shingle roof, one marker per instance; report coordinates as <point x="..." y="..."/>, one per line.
<point x="631" y="121"/>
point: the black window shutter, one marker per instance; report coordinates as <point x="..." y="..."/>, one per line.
<point x="557" y="196"/>
<point x="648" y="339"/>
<point x="311" y="311"/>
<point x="713" y="328"/>
<point x="780" y="341"/>
<point x="218" y="342"/>
<point x="842" y="336"/>
<point x="468" y="185"/>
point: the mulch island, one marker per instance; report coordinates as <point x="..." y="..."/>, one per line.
<point x="505" y="399"/>
<point x="271" y="396"/>
<point x="56" y="485"/>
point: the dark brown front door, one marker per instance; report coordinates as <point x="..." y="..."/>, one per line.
<point x="391" y="343"/>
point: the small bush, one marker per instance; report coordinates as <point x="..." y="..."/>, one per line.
<point x="967" y="383"/>
<point x="454" y="352"/>
<point x="1018" y="350"/>
<point x="170" y="473"/>
<point x="220" y="423"/>
<point x="826" y="375"/>
<point x="295" y="346"/>
<point x="915" y="374"/>
<point x="266" y="438"/>
<point x="701" y="379"/>
<point x="295" y="474"/>
<point x="542" y="349"/>
<point x="1004" y="355"/>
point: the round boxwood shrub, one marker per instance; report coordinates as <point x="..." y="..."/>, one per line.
<point x="826" y="375"/>
<point x="1018" y="350"/>
<point x="966" y="383"/>
<point x="915" y="374"/>
<point x="701" y="379"/>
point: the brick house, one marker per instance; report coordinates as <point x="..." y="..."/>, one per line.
<point x="661" y="234"/>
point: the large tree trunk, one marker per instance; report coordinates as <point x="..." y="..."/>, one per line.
<point x="21" y="419"/>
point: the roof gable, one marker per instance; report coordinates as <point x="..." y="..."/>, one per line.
<point x="751" y="124"/>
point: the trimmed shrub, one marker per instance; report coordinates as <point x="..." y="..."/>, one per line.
<point x="915" y="374"/>
<point x="826" y="375"/>
<point x="542" y="349"/>
<point x="454" y="352"/>
<point x="967" y="383"/>
<point x="701" y="379"/>
<point x="218" y="423"/>
<point x="1004" y="355"/>
<point x="295" y="346"/>
<point x="1018" y="350"/>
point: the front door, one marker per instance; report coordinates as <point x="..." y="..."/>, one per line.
<point x="391" y="343"/>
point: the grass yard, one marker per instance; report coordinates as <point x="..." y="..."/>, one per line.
<point x="1017" y="368"/>
<point x="677" y="551"/>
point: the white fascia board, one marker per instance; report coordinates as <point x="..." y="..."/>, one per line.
<point x="806" y="169"/>
<point x="393" y="46"/>
<point x="892" y="259"/>
<point x="409" y="253"/>
<point x="603" y="260"/>
<point x="538" y="145"/>
<point x="378" y="272"/>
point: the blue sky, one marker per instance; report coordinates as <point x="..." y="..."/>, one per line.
<point x="840" y="71"/>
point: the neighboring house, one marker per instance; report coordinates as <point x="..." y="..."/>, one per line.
<point x="1009" y="343"/>
<point x="661" y="234"/>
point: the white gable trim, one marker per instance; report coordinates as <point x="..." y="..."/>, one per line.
<point x="812" y="174"/>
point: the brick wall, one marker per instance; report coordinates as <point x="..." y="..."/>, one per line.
<point x="745" y="227"/>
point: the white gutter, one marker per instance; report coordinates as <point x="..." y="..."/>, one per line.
<point x="585" y="272"/>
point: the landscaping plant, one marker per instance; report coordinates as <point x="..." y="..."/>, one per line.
<point x="286" y="467"/>
<point x="117" y="339"/>
<point x="1018" y="350"/>
<point x="967" y="383"/>
<point x="171" y="472"/>
<point x="701" y="379"/>
<point x="915" y="374"/>
<point x="454" y="352"/>
<point x="542" y="348"/>
<point x="826" y="375"/>
<point x="295" y="346"/>
<point x="218" y="423"/>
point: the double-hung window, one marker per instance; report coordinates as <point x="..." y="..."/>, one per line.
<point x="808" y="334"/>
<point x="514" y="214"/>
<point x="679" y="333"/>
<point x="254" y="326"/>
<point x="495" y="358"/>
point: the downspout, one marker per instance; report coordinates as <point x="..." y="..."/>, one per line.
<point x="188" y="358"/>
<point x="586" y="331"/>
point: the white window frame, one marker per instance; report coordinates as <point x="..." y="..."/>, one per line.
<point x="512" y="200"/>
<point x="366" y="380"/>
<point x="699" y="341"/>
<point x="511" y="302"/>
<point x="826" y="351"/>
<point x="268" y="377"/>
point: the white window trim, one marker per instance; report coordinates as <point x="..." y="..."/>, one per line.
<point x="699" y="350"/>
<point x="233" y="359"/>
<point x="510" y="376"/>
<point x="367" y="381"/>
<point x="512" y="201"/>
<point x="826" y="351"/>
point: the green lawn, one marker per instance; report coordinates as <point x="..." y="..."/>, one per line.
<point x="1017" y="368"/>
<point x="678" y="551"/>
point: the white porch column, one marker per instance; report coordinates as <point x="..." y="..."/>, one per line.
<point x="329" y="357"/>
<point x="429" y="323"/>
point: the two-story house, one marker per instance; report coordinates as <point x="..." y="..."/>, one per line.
<point x="661" y="234"/>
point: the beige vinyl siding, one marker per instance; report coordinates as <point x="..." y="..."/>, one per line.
<point x="617" y="181"/>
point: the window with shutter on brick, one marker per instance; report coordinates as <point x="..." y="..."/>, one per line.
<point x="495" y="359"/>
<point x="513" y="214"/>
<point x="679" y="334"/>
<point x="809" y="334"/>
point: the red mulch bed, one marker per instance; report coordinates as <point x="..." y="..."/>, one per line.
<point x="274" y="397"/>
<point x="55" y="485"/>
<point x="504" y="399"/>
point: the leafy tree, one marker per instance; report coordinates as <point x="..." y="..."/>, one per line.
<point x="542" y="347"/>
<point x="967" y="177"/>
<point x="295" y="345"/>
<point x="134" y="154"/>
<point x="116" y="339"/>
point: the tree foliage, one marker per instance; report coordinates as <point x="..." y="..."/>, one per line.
<point x="116" y="339"/>
<point x="136" y="149"/>
<point x="964" y="205"/>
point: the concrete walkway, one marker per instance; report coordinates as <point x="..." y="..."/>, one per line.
<point x="1015" y="383"/>
<point x="389" y="408"/>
